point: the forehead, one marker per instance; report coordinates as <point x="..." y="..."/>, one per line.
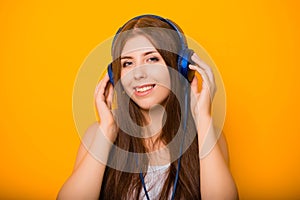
<point x="137" y="43"/>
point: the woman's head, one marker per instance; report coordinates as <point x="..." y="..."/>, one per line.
<point x="160" y="34"/>
<point x="156" y="39"/>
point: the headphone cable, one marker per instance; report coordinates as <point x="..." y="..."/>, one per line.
<point x="186" y="105"/>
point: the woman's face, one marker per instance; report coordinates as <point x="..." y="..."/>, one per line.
<point x="144" y="74"/>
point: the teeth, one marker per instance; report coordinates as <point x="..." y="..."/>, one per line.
<point x="143" y="89"/>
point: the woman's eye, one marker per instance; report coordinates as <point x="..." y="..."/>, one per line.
<point x="126" y="64"/>
<point x="153" y="59"/>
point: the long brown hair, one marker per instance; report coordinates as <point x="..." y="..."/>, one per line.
<point x="119" y="184"/>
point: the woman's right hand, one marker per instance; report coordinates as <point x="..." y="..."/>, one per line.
<point x="103" y="99"/>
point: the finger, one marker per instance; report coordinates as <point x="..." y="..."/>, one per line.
<point x="207" y="86"/>
<point x="206" y="81"/>
<point x="109" y="98"/>
<point x="97" y="89"/>
<point x="194" y="93"/>
<point x="100" y="93"/>
<point x="201" y="64"/>
<point x="194" y="85"/>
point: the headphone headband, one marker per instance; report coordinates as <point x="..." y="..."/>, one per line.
<point x="175" y="28"/>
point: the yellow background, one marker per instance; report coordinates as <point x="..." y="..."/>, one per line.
<point x="255" y="45"/>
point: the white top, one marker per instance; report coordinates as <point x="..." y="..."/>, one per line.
<point x="154" y="181"/>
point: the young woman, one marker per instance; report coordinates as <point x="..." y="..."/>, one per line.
<point x="153" y="123"/>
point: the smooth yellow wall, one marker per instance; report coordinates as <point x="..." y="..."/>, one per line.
<point x="255" y="45"/>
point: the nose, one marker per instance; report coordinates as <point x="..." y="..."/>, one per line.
<point x="139" y="72"/>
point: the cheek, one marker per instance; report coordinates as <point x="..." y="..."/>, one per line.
<point x="126" y="81"/>
<point x="124" y="77"/>
<point x="163" y="78"/>
<point x="123" y="72"/>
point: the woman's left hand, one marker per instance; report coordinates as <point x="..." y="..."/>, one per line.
<point x="201" y="100"/>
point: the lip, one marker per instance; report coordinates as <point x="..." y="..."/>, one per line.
<point x="146" y="92"/>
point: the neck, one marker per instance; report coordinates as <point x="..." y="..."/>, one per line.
<point x="155" y="119"/>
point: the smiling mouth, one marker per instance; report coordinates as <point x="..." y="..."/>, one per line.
<point x="144" y="89"/>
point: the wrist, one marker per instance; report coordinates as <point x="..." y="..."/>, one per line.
<point x="110" y="132"/>
<point x="203" y="122"/>
<point x="204" y="127"/>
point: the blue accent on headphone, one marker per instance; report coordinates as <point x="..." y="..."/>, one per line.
<point x="183" y="61"/>
<point x="184" y="55"/>
<point x="110" y="74"/>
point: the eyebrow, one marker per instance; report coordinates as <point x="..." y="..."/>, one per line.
<point x="145" y="54"/>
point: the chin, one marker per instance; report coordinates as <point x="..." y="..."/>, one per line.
<point x="145" y="106"/>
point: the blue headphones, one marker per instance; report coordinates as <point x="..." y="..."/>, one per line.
<point x="184" y="56"/>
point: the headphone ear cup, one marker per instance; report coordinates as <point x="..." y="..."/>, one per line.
<point x="110" y="74"/>
<point x="184" y="59"/>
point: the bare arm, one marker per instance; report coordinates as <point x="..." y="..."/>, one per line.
<point x="215" y="177"/>
<point x="86" y="179"/>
